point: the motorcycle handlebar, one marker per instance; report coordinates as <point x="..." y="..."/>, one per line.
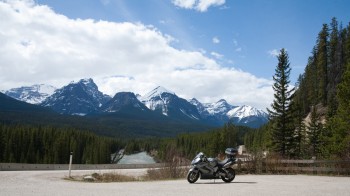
<point x="204" y="158"/>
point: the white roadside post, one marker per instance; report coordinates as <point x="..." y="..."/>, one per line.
<point x="70" y="163"/>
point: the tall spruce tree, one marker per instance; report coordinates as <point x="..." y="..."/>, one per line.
<point x="322" y="63"/>
<point x="334" y="66"/>
<point x="298" y="103"/>
<point x="2" y="146"/>
<point x="280" y="115"/>
<point x="299" y="135"/>
<point x="314" y="130"/>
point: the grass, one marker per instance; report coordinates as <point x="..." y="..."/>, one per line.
<point x="113" y="177"/>
<point x="166" y="173"/>
<point x="104" y="177"/>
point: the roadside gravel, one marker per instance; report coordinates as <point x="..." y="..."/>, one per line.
<point x="51" y="183"/>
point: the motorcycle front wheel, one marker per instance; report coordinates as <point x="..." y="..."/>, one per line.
<point x="230" y="175"/>
<point x="192" y="176"/>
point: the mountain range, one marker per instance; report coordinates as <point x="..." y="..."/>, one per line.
<point x="83" y="99"/>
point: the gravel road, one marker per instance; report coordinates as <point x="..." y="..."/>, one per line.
<point x="50" y="183"/>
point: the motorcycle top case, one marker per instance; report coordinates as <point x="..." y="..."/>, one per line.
<point x="231" y="151"/>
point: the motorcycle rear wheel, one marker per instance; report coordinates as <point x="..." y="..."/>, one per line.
<point x="230" y="175"/>
<point x="192" y="176"/>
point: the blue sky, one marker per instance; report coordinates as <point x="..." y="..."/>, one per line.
<point x="208" y="49"/>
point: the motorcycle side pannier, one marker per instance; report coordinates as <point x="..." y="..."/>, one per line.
<point x="231" y="151"/>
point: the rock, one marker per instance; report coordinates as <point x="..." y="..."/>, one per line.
<point x="89" y="179"/>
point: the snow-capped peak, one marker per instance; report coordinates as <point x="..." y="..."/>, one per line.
<point x="77" y="98"/>
<point x="83" y="81"/>
<point x="34" y="94"/>
<point x="155" y="93"/>
<point x="220" y="107"/>
<point x="45" y="89"/>
<point x="245" y="111"/>
<point x="195" y="102"/>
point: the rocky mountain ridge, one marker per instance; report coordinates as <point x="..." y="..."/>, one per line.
<point x="83" y="98"/>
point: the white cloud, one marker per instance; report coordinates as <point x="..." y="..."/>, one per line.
<point x="217" y="55"/>
<point x="273" y="52"/>
<point x="216" y="40"/>
<point x="166" y="22"/>
<point x="237" y="47"/>
<point x="187" y="4"/>
<point x="105" y="2"/>
<point x="199" y="5"/>
<point x="201" y="50"/>
<point x="41" y="46"/>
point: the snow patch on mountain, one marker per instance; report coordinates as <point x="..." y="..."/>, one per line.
<point x="245" y="111"/>
<point x="169" y="104"/>
<point x="122" y="101"/>
<point x="219" y="107"/>
<point x="157" y="99"/>
<point x="157" y="92"/>
<point x="77" y="98"/>
<point x="34" y="94"/>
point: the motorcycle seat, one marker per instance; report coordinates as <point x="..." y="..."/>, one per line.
<point x="223" y="162"/>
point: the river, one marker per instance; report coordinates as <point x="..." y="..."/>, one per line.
<point x="138" y="158"/>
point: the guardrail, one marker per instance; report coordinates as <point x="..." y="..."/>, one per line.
<point x="249" y="166"/>
<point x="25" y="166"/>
<point x="296" y="166"/>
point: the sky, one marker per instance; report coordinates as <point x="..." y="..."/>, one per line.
<point x="207" y="49"/>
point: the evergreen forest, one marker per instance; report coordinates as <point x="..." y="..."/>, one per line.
<point x="311" y="118"/>
<point x="39" y="144"/>
<point x="187" y="145"/>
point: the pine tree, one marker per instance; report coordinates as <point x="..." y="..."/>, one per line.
<point x="322" y="64"/>
<point x="2" y="143"/>
<point x="347" y="44"/>
<point x="314" y="132"/>
<point x="299" y="141"/>
<point x="300" y="138"/>
<point x="334" y="66"/>
<point x="299" y="104"/>
<point x="282" y="130"/>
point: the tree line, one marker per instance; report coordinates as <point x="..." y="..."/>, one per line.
<point x="187" y="145"/>
<point x="50" y="145"/>
<point x="311" y="119"/>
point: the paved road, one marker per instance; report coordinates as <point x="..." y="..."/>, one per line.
<point x="50" y="183"/>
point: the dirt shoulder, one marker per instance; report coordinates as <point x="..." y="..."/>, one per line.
<point x="52" y="183"/>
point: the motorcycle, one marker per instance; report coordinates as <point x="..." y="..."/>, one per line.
<point x="212" y="168"/>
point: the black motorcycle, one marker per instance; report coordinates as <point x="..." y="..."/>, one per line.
<point x="211" y="168"/>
